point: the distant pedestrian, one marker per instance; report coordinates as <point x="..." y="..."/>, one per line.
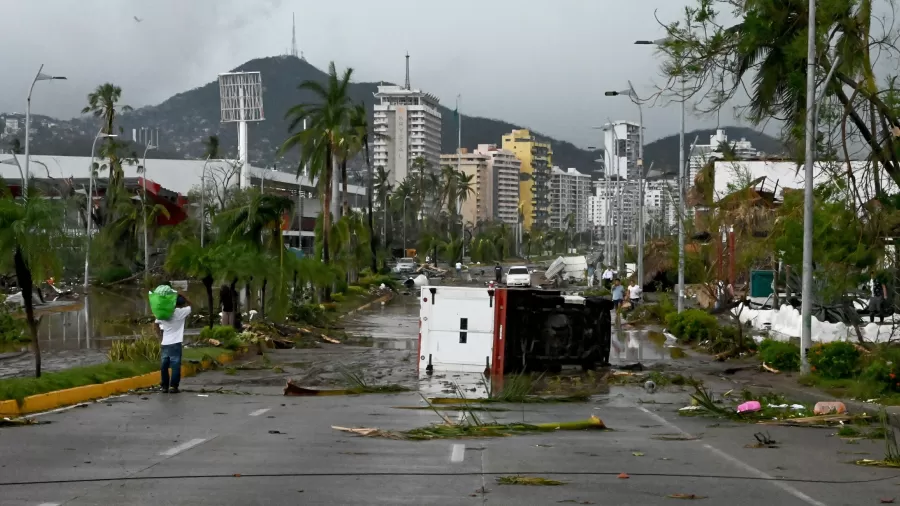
<point x="634" y="293"/>
<point x="458" y="269"/>
<point x="876" y="301"/>
<point x="498" y="273"/>
<point x="618" y="293"/>
<point x="590" y="275"/>
<point x="226" y="304"/>
<point x="172" y="331"/>
<point x="608" y="278"/>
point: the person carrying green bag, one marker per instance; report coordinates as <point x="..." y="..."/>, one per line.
<point x="172" y="331"/>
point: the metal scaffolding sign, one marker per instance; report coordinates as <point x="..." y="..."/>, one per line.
<point x="240" y="97"/>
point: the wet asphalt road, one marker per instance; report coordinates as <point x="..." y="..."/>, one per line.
<point x="264" y="448"/>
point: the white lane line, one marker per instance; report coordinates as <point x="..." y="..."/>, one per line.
<point x="183" y="446"/>
<point x="260" y="411"/>
<point x="458" y="453"/>
<point x="739" y="463"/>
<point x="49" y="504"/>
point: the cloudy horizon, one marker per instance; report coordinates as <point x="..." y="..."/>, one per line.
<point x="546" y="69"/>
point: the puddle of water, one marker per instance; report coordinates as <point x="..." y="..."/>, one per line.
<point x="396" y="321"/>
<point x="629" y="346"/>
<point x="396" y="344"/>
<point x="96" y="320"/>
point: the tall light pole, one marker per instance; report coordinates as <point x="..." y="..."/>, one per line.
<point x="38" y="77"/>
<point x="90" y="207"/>
<point x="807" y="283"/>
<point x="148" y="147"/>
<point x="632" y="94"/>
<point x="681" y="162"/>
<point x="404" y="224"/>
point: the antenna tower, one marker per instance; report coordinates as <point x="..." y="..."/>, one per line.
<point x="293" y="36"/>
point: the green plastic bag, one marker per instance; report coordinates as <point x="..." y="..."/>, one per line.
<point x="162" y="302"/>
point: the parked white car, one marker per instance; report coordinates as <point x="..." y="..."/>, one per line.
<point x="405" y="265"/>
<point x="518" y="275"/>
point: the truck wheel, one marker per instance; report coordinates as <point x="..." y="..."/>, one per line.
<point x="588" y="366"/>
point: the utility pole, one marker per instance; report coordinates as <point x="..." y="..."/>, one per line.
<point x="808" y="208"/>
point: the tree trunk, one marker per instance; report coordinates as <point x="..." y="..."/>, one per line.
<point x="262" y="302"/>
<point x="345" y="203"/>
<point x="373" y="240"/>
<point x="26" y="283"/>
<point x="326" y="204"/>
<point x="208" y="284"/>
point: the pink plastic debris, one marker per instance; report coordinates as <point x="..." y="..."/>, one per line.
<point x="749" y="407"/>
<point x="829" y="408"/>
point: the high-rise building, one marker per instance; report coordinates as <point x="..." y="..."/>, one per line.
<point x="534" y="184"/>
<point x="503" y="167"/>
<point x="407" y="125"/>
<point x="570" y="192"/>
<point x="703" y="153"/>
<point x="478" y="206"/>
<point x="621" y="143"/>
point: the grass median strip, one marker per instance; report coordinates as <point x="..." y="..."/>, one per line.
<point x="20" y="388"/>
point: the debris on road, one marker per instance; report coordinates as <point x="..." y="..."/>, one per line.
<point x="749" y="407"/>
<point x="685" y="496"/>
<point x="529" y="480"/>
<point x="763" y="440"/>
<point x="18" y="422"/>
<point x="829" y="408"/>
<point x="769" y="368"/>
<point x="460" y="431"/>
<point x="623" y="476"/>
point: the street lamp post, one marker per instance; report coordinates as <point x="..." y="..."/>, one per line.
<point x="681" y="162"/>
<point x="90" y="206"/>
<point x="38" y="77"/>
<point x="404" y="224"/>
<point x="148" y="147"/>
<point x="807" y="282"/>
<point x="632" y="94"/>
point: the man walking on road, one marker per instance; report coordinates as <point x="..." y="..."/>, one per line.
<point x="618" y="294"/>
<point x="172" y="338"/>
<point x="498" y="273"/>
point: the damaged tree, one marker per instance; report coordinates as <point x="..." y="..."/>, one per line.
<point x="31" y="234"/>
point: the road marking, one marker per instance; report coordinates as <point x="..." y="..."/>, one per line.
<point x="458" y="453"/>
<point x="739" y="463"/>
<point x="49" y="504"/>
<point x="260" y="411"/>
<point x="182" y="447"/>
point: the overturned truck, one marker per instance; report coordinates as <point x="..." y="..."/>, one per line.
<point x="497" y="331"/>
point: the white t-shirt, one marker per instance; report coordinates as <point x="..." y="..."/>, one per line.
<point x="634" y="292"/>
<point x="173" y="328"/>
<point x="608" y="274"/>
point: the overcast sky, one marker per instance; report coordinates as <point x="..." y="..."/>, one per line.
<point x="544" y="64"/>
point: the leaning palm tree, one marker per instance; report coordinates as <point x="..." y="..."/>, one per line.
<point x="211" y="147"/>
<point x="319" y="143"/>
<point x="31" y="231"/>
<point x="103" y="103"/>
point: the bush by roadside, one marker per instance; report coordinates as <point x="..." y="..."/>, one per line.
<point x="692" y="325"/>
<point x="653" y="313"/>
<point x="781" y="355"/>
<point x="12" y="330"/>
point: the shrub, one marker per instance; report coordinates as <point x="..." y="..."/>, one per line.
<point x="658" y="312"/>
<point x="596" y="292"/>
<point x="836" y="360"/>
<point x="338" y="297"/>
<point x="378" y="280"/>
<point x="355" y="290"/>
<point x="692" y="325"/>
<point x="883" y="367"/>
<point x="143" y="349"/>
<point x="226" y="335"/>
<point x="312" y="314"/>
<point x="781" y="355"/>
<point x="11" y="329"/>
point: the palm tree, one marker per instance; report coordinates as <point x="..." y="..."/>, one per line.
<point x="359" y="120"/>
<point x="15" y="146"/>
<point x="320" y="143"/>
<point x="103" y="103"/>
<point x="30" y="230"/>
<point x="211" y="147"/>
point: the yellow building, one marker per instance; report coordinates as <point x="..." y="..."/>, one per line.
<point x="534" y="189"/>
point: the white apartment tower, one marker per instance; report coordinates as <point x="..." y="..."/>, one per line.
<point x="702" y="153"/>
<point x="570" y="193"/>
<point x="504" y="168"/>
<point x="407" y="125"/>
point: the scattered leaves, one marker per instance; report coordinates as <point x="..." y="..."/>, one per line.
<point x="529" y="480"/>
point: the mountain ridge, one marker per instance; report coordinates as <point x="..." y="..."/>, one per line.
<point x="187" y="118"/>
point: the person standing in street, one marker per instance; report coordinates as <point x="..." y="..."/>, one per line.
<point x="498" y="273"/>
<point x="226" y="303"/>
<point x="876" y="302"/>
<point x="634" y="293"/>
<point x="172" y="339"/>
<point x="608" y="278"/>
<point x="618" y="294"/>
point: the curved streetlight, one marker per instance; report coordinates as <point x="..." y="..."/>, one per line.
<point x="39" y="77"/>
<point x="90" y="206"/>
<point x="632" y="95"/>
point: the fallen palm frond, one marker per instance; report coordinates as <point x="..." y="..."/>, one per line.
<point x="891" y="450"/>
<point x="456" y="431"/>
<point x="528" y="399"/>
<point x="674" y="437"/>
<point x="529" y="480"/>
<point x="821" y="421"/>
